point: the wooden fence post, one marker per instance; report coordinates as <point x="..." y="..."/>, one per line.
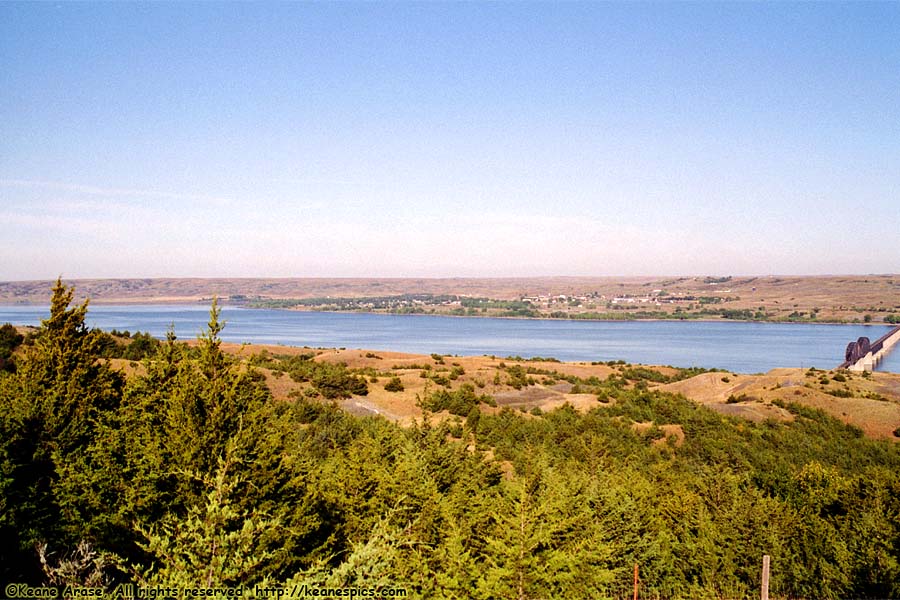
<point x="765" y="578"/>
<point x="635" y="581"/>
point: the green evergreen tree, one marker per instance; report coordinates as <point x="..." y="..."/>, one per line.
<point x="547" y="543"/>
<point x="217" y="543"/>
<point x="54" y="408"/>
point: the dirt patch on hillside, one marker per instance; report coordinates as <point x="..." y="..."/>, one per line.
<point x="366" y="407"/>
<point x="753" y="411"/>
<point x="527" y="397"/>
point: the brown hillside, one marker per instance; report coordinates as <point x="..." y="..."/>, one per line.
<point x="872" y="403"/>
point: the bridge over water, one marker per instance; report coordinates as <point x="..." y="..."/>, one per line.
<point x="863" y="355"/>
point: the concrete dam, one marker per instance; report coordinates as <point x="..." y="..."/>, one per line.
<point x="863" y="355"/>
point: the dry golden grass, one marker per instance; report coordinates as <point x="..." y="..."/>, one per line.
<point x="877" y="415"/>
<point x="479" y="371"/>
<point x="129" y="367"/>
<point x="671" y="430"/>
<point x="874" y="406"/>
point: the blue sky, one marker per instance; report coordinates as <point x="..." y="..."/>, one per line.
<point x="459" y="139"/>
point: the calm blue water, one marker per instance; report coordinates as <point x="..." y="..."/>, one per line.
<point x="736" y="346"/>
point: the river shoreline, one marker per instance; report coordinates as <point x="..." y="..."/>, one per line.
<point x="206" y="302"/>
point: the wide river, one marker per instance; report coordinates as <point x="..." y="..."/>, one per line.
<point x="736" y="346"/>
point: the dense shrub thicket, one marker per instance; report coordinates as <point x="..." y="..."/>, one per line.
<point x="10" y="340"/>
<point x="457" y="402"/>
<point x="191" y="475"/>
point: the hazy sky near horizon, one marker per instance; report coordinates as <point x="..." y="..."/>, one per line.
<point x="457" y="139"/>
